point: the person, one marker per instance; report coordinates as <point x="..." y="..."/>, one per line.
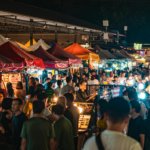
<point x="10" y="91"/>
<point x="101" y="122"/>
<point x="103" y="77"/>
<point x="58" y="89"/>
<point x="133" y="96"/>
<point x="32" y="87"/>
<point x="115" y="81"/>
<point x="37" y="132"/>
<point x="63" y="130"/>
<point x="122" y="78"/>
<point x="19" y="92"/>
<point x="67" y="88"/>
<point x="47" y="80"/>
<point x="50" y="75"/>
<point x="5" y="146"/>
<point x="2" y="96"/>
<point x="28" y="107"/>
<point x="17" y="122"/>
<point x="117" y="116"/>
<point x="81" y="95"/>
<point x="49" y="91"/>
<point x="136" y="128"/>
<point x="63" y="102"/>
<point x="6" y="118"/>
<point x="47" y="115"/>
<point x="75" y="112"/>
<point x="37" y="81"/>
<point x="111" y="77"/>
<point x="40" y="87"/>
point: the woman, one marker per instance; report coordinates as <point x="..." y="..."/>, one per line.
<point x="19" y="92"/>
<point x="101" y="122"/>
<point x="49" y="91"/>
<point x="58" y="89"/>
<point x="6" y="118"/>
<point x="10" y="91"/>
<point x="32" y="88"/>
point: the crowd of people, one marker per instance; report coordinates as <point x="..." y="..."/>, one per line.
<point x="28" y="121"/>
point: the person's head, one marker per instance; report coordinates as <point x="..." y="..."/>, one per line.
<point x="6" y="104"/>
<point x="102" y="107"/>
<point x="47" y="80"/>
<point x="123" y="74"/>
<point x="32" y="82"/>
<point x="70" y="98"/>
<point x="19" y="85"/>
<point x="62" y="101"/>
<point x="38" y="91"/>
<point x="2" y="96"/>
<point x="130" y="74"/>
<point x="16" y="105"/>
<point x="82" y="85"/>
<point x="42" y="97"/>
<point x="64" y="74"/>
<point x="93" y="73"/>
<point x="49" y="85"/>
<point x="59" y="83"/>
<point x="68" y="80"/>
<point x="135" y="107"/>
<point x="132" y="95"/>
<point x="50" y="75"/>
<point x="84" y="76"/>
<point x="37" y="81"/>
<point x="40" y="87"/>
<point x="116" y="78"/>
<point x="57" y="111"/>
<point x="111" y="74"/>
<point x="103" y="74"/>
<point x="38" y="108"/>
<point x="118" y="110"/>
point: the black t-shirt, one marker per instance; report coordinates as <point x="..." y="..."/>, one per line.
<point x="17" y="123"/>
<point x="81" y="96"/>
<point x="31" y="91"/>
<point x="136" y="127"/>
<point x="68" y="115"/>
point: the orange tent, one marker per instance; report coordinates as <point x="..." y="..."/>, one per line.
<point x="83" y="53"/>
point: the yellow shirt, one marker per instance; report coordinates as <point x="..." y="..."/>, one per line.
<point x="101" y="124"/>
<point x="27" y="109"/>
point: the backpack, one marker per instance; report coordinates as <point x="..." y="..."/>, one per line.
<point x="99" y="142"/>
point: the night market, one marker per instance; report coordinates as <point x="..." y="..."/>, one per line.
<point x="73" y="77"/>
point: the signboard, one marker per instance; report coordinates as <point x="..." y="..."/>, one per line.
<point x="137" y="46"/>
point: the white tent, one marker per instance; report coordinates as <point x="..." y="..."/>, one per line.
<point x="38" y="44"/>
<point x="3" y="40"/>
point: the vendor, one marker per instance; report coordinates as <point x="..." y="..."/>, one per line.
<point x="111" y="77"/>
<point x="81" y="95"/>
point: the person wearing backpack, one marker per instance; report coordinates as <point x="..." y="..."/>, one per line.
<point x="117" y="117"/>
<point x="136" y="128"/>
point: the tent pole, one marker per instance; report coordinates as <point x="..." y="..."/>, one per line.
<point x="31" y="32"/>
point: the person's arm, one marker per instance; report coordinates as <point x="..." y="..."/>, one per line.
<point x="142" y="140"/>
<point x="23" y="144"/>
<point x="55" y="145"/>
<point x="80" y="97"/>
<point x="51" y="144"/>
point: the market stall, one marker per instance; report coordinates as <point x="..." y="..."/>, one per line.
<point x="38" y="44"/>
<point x="3" y="40"/>
<point x="29" y="44"/>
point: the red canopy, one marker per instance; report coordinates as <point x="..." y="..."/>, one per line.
<point x="13" y="52"/>
<point x="64" y="55"/>
<point x="50" y="61"/>
<point x="9" y="64"/>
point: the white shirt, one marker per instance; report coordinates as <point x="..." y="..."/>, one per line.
<point x="112" y="140"/>
<point x="45" y="114"/>
<point x="109" y="79"/>
<point x="120" y="80"/>
<point x="143" y="109"/>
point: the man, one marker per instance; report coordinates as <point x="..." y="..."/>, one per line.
<point x="37" y="133"/>
<point x="81" y="95"/>
<point x="67" y="88"/>
<point x="103" y="78"/>
<point x="17" y="122"/>
<point x="75" y="112"/>
<point x="63" y="102"/>
<point x="117" y="117"/>
<point x="46" y="81"/>
<point x="37" y="81"/>
<point x="50" y="75"/>
<point x="109" y="79"/>
<point x="133" y="96"/>
<point x="122" y="78"/>
<point x="136" y="128"/>
<point x="63" y="130"/>
<point x="43" y="97"/>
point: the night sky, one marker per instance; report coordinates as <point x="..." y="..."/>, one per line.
<point x="133" y="13"/>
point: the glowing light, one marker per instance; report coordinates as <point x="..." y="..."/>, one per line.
<point x="55" y="99"/>
<point x="80" y="109"/>
<point x="75" y="104"/>
<point x="142" y="95"/>
<point x="141" y="86"/>
<point x="40" y="72"/>
<point x="146" y="78"/>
